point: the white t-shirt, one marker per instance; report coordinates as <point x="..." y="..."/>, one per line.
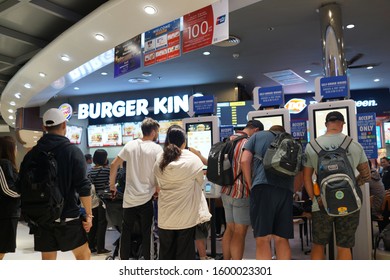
<point x="179" y="199"/>
<point x="140" y="157"/>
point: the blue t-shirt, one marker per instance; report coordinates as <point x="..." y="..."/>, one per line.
<point x="257" y="145"/>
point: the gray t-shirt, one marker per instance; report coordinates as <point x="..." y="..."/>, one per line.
<point x="257" y="144"/>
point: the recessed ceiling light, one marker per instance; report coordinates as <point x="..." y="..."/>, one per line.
<point x="146" y="74"/>
<point x="27" y="85"/>
<point x="64" y="57"/>
<point x="99" y="37"/>
<point x="206" y="53"/>
<point x="104" y="73"/>
<point x="76" y="88"/>
<point x="41" y="74"/>
<point x="150" y="10"/>
<point x="138" y="81"/>
<point x="240" y="77"/>
<point x="12" y="103"/>
<point x="11" y="117"/>
<point x="309" y="91"/>
<point x="350" y="26"/>
<point x="376" y="80"/>
<point x="307" y="71"/>
<point x="18" y="95"/>
<point x="369" y="67"/>
<point x="10" y="111"/>
<point x="13" y="123"/>
<point x="36" y="131"/>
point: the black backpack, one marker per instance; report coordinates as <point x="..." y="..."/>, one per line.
<point x="336" y="179"/>
<point x="41" y="199"/>
<point x="283" y="157"/>
<point x="219" y="163"/>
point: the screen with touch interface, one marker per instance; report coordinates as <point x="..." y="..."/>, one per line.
<point x="200" y="136"/>
<point x="319" y="120"/>
<point x="269" y="121"/>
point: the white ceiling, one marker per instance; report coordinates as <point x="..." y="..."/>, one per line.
<point x="294" y="43"/>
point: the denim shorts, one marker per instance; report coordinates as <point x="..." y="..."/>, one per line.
<point x="236" y="210"/>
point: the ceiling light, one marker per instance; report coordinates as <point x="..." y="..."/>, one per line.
<point x="138" y="81"/>
<point x="206" y="53"/>
<point x="11" y="117"/>
<point x="146" y="74"/>
<point x="10" y="111"/>
<point x="376" y="80"/>
<point x="307" y="71"/>
<point x="99" y="37"/>
<point x="64" y="57"/>
<point x="76" y="88"/>
<point x="240" y="77"/>
<point x="309" y="91"/>
<point x="41" y="74"/>
<point x="36" y="131"/>
<point x="104" y="73"/>
<point x="150" y="10"/>
<point x="12" y="103"/>
<point x="18" y="95"/>
<point x="370" y="67"/>
<point x="350" y="26"/>
<point x="27" y="85"/>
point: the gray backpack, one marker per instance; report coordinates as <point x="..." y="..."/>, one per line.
<point x="339" y="192"/>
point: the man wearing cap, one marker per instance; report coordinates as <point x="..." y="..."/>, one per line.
<point x="235" y="199"/>
<point x="271" y="199"/>
<point x="345" y="226"/>
<point x="74" y="186"/>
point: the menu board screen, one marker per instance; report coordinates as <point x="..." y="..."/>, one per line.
<point x="200" y="137"/>
<point x="104" y="135"/>
<point x="131" y="131"/>
<point x="73" y="133"/>
<point x="164" y="125"/>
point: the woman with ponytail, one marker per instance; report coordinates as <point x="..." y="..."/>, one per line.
<point x="179" y="174"/>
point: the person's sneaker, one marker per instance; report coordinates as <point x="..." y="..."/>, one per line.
<point x="104" y="251"/>
<point x="93" y="250"/>
<point x="207" y="258"/>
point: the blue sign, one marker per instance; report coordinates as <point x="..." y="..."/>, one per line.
<point x="299" y="131"/>
<point x="366" y="124"/>
<point x="334" y="87"/>
<point x="271" y="96"/>
<point x="204" y="105"/>
<point x="127" y="56"/>
<point x="225" y="131"/>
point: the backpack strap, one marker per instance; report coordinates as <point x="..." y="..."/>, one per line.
<point x="316" y="146"/>
<point x="346" y="142"/>
<point x="259" y="157"/>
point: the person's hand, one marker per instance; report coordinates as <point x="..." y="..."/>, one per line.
<point x="113" y="190"/>
<point x="87" y="223"/>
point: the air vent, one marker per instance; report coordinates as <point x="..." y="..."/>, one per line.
<point x="138" y="81"/>
<point x="231" y="42"/>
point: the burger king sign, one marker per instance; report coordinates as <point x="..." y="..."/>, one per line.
<point x="67" y="110"/>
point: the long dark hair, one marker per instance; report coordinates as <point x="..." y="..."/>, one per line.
<point x="7" y="149"/>
<point x="176" y="136"/>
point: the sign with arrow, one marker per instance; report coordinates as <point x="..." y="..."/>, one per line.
<point x="268" y="97"/>
<point x="202" y="105"/>
<point x="334" y="87"/>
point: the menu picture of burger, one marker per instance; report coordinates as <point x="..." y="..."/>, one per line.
<point x="73" y="133"/>
<point x="164" y="125"/>
<point x="113" y="135"/>
<point x="131" y="131"/>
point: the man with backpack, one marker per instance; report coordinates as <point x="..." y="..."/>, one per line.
<point x="235" y="199"/>
<point x="271" y="198"/>
<point x="334" y="157"/>
<point x="58" y="170"/>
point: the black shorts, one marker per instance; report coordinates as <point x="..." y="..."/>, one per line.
<point x="202" y="231"/>
<point x="8" y="235"/>
<point x="60" y="237"/>
<point x="271" y="211"/>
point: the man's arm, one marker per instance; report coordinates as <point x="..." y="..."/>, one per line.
<point x="364" y="173"/>
<point x="113" y="172"/>
<point x="308" y="181"/>
<point x="87" y="204"/>
<point x="246" y="166"/>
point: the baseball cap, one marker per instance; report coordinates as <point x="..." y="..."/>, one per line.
<point x="53" y="117"/>
<point x="255" y="124"/>
<point x="334" y="116"/>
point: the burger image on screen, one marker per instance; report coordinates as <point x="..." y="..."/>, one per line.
<point x="201" y="127"/>
<point x="113" y="136"/>
<point x="75" y="136"/>
<point x="96" y="137"/>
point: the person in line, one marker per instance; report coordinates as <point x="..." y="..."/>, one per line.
<point x="99" y="176"/>
<point x="179" y="174"/>
<point x="271" y="199"/>
<point x="9" y="197"/>
<point x="74" y="185"/>
<point x="236" y="200"/>
<point x="377" y="192"/>
<point x="385" y="163"/>
<point x="140" y="156"/>
<point x="88" y="160"/>
<point x="345" y="226"/>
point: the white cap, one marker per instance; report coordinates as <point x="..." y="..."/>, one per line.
<point x="53" y="117"/>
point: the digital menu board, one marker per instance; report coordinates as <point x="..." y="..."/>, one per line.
<point x="74" y="133"/>
<point x="131" y="131"/>
<point x="164" y="125"/>
<point x="386" y="128"/>
<point x="107" y="135"/>
<point x="234" y="113"/>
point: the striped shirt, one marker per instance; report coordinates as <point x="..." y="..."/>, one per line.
<point x="239" y="189"/>
<point x="100" y="177"/>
